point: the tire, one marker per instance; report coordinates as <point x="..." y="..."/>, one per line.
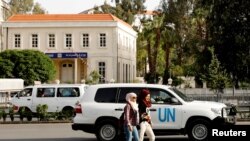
<point x="107" y="130"/>
<point x="68" y="112"/>
<point x="199" y="130"/>
<point x="29" y="114"/>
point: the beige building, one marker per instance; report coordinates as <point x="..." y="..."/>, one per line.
<point x="77" y="43"/>
<point x="4" y="9"/>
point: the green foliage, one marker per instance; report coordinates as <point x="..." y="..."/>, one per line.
<point x="6" y="68"/>
<point x="21" y="6"/>
<point x="21" y="113"/>
<point x="177" y="81"/>
<point x="151" y="78"/>
<point x="29" y="65"/>
<point x="177" y="70"/>
<point x="4" y="114"/>
<point x="25" y="7"/>
<point x="216" y="77"/>
<point x="11" y="113"/>
<point x="228" y="28"/>
<point x="42" y="111"/>
<point x="37" y="9"/>
<point x="93" y="77"/>
<point x="125" y="10"/>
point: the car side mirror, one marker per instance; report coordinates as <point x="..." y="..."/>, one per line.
<point x="175" y="101"/>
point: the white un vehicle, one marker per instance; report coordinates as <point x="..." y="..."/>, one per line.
<point x="172" y="112"/>
<point x="58" y="97"/>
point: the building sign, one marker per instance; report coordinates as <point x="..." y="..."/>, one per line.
<point x="68" y="55"/>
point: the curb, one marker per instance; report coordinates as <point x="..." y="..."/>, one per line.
<point x="33" y="122"/>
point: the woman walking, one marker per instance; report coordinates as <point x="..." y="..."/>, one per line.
<point x="131" y="118"/>
<point x="145" y="119"/>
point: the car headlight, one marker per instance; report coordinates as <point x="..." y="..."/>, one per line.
<point x="224" y="112"/>
<point x="216" y="111"/>
<point x="220" y="112"/>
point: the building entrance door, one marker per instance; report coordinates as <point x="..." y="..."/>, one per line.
<point x="67" y="75"/>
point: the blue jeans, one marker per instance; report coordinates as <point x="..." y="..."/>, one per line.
<point x="130" y="134"/>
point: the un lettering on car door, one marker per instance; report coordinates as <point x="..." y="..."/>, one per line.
<point x="164" y="114"/>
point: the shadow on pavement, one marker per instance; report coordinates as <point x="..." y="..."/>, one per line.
<point x="86" y="139"/>
<point x="52" y="139"/>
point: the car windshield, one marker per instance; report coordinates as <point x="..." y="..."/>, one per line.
<point x="181" y="95"/>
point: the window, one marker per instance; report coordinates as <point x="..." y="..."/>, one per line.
<point x="106" y="95"/>
<point x="102" y="72"/>
<point x="124" y="91"/>
<point x="160" y="96"/>
<point x="17" y="41"/>
<point x="52" y="40"/>
<point x="45" y="92"/>
<point x="102" y="40"/>
<point x="34" y="40"/>
<point x="85" y="40"/>
<point x="68" y="40"/>
<point x="68" y="92"/>
<point x="25" y="92"/>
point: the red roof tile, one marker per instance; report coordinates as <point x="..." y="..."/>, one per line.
<point x="65" y="17"/>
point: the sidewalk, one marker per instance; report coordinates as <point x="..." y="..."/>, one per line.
<point x="243" y="122"/>
<point x="35" y="120"/>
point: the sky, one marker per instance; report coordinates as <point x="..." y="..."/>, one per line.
<point x="77" y="6"/>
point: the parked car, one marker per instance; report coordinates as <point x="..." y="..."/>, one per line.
<point x="58" y="97"/>
<point x="172" y="112"/>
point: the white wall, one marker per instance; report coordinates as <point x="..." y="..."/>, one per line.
<point x="108" y="54"/>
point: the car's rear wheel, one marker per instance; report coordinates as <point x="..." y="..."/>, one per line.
<point x="199" y="130"/>
<point x="107" y="130"/>
<point x="68" y="112"/>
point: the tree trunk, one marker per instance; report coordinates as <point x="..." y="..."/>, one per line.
<point x="149" y="56"/>
<point x="157" y="45"/>
<point x="167" y="64"/>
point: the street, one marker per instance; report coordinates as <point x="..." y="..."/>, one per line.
<point x="52" y="132"/>
<point x="58" y="132"/>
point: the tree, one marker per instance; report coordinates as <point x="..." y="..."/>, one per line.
<point x="37" y="9"/>
<point x="216" y="77"/>
<point x="29" y="65"/>
<point x="25" y="7"/>
<point x="125" y="9"/>
<point x="199" y="40"/>
<point x="228" y="23"/>
<point x="152" y="38"/>
<point x="105" y="8"/>
<point x="176" y="38"/>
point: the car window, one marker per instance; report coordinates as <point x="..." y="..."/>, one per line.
<point x="26" y="92"/>
<point x="123" y="92"/>
<point x="160" y="96"/>
<point x="68" y="92"/>
<point x="45" y="92"/>
<point x="106" y="95"/>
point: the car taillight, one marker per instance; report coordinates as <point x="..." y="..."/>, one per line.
<point x="15" y="108"/>
<point x="78" y="109"/>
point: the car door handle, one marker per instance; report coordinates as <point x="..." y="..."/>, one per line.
<point x="119" y="109"/>
<point x="28" y="99"/>
<point x="152" y="110"/>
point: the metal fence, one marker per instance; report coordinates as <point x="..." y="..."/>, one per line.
<point x="237" y="96"/>
<point x="240" y="98"/>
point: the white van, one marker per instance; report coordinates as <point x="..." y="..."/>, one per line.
<point x="58" y="97"/>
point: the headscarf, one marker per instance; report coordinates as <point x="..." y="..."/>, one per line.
<point x="142" y="97"/>
<point x="132" y="103"/>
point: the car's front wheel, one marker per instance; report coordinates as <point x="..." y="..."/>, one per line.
<point x="107" y="130"/>
<point x="199" y="130"/>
